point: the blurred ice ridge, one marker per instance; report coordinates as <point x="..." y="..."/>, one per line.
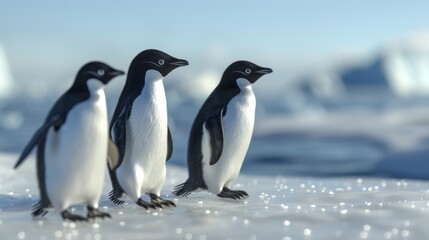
<point x="5" y="75"/>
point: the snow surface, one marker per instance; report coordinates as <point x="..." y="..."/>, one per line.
<point x="278" y="208"/>
<point x="323" y="164"/>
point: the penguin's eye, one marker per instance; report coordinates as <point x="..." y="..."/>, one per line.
<point x="100" y="72"/>
<point x="247" y="71"/>
<point x="161" y="62"/>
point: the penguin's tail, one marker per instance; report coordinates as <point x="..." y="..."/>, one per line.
<point x="40" y="209"/>
<point x="114" y="195"/>
<point x="184" y="189"/>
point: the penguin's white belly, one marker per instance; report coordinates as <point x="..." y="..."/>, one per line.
<point x="238" y="124"/>
<point x="143" y="168"/>
<point x="75" y="156"/>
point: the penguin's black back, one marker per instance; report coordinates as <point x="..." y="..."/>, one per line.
<point x="63" y="105"/>
<point x="135" y="80"/>
<point x="132" y="89"/>
<point x="215" y="105"/>
<point x="216" y="101"/>
<point x="57" y="116"/>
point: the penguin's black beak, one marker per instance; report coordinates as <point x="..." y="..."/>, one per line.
<point x="264" y="71"/>
<point x="116" y="73"/>
<point x="179" y="62"/>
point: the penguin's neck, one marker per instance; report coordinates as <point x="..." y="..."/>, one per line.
<point x="244" y="85"/>
<point x="153" y="80"/>
<point x="95" y="88"/>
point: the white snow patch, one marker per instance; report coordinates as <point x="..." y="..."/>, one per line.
<point x="279" y="207"/>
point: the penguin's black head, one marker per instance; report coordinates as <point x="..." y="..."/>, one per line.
<point x="243" y="69"/>
<point x="97" y="70"/>
<point x="153" y="59"/>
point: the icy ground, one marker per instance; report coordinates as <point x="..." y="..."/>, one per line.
<point x="278" y="208"/>
<point x="331" y="174"/>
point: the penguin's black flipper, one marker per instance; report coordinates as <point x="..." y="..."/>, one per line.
<point x="112" y="155"/>
<point x="170" y="145"/>
<point x="120" y="131"/>
<point x="118" y="126"/>
<point x="214" y="126"/>
<point x="40" y="134"/>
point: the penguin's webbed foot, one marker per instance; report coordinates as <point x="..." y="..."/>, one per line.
<point x="72" y="217"/>
<point x="94" y="213"/>
<point x="159" y="202"/>
<point x="233" y="194"/>
<point x="145" y="204"/>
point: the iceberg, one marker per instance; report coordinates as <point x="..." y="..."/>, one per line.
<point x="404" y="72"/>
<point x="399" y="69"/>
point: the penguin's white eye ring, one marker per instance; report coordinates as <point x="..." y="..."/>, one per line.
<point x="247" y="71"/>
<point x="161" y="62"/>
<point x="100" y="72"/>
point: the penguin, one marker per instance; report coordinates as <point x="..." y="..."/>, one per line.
<point x="221" y="133"/>
<point x="139" y="127"/>
<point x="73" y="145"/>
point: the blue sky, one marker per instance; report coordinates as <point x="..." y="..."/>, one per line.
<point x="290" y="24"/>
<point x="284" y="35"/>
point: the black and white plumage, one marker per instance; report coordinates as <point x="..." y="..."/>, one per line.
<point x="221" y="133"/>
<point x="139" y="127"/>
<point x="73" y="145"/>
